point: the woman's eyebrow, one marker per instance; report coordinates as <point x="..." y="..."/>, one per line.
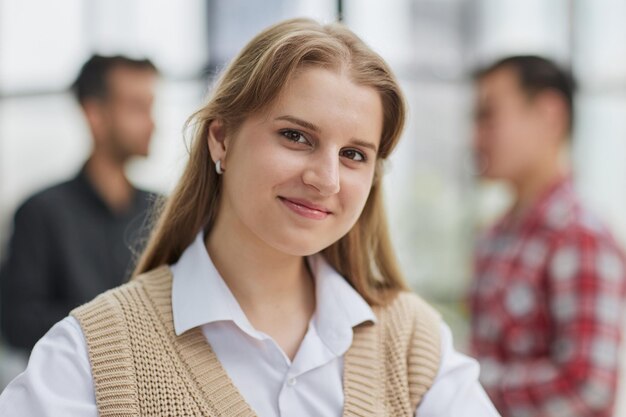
<point x="365" y="144"/>
<point x="303" y="123"/>
<point x="314" y="128"/>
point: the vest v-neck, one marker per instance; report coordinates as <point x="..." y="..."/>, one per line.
<point x="140" y="367"/>
<point x="362" y="379"/>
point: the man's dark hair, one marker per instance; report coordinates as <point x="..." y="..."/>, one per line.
<point x="537" y="74"/>
<point x="92" y="78"/>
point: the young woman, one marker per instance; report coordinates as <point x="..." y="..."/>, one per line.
<point x="269" y="286"/>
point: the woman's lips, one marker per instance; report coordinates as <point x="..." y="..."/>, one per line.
<point x="305" y="208"/>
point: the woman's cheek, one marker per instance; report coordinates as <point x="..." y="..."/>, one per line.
<point x="354" y="195"/>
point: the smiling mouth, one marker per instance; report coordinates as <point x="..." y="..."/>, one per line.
<point x="305" y="208"/>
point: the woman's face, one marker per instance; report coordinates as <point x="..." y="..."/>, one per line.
<point x="297" y="175"/>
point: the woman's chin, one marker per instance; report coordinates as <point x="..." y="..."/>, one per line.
<point x="300" y="247"/>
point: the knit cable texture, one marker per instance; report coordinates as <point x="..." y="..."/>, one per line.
<point x="141" y="368"/>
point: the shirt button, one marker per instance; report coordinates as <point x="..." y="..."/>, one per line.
<point x="291" y="382"/>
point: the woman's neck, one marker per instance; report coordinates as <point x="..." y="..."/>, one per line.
<point x="251" y="269"/>
<point x="275" y="290"/>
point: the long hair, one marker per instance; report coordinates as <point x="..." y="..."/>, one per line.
<point x="251" y="82"/>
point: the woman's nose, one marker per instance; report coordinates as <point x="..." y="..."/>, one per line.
<point x="323" y="173"/>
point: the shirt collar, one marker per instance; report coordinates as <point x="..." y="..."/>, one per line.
<point x="200" y="296"/>
<point x="339" y="306"/>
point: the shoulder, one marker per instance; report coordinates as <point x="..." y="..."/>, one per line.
<point x="45" y="200"/>
<point x="408" y="320"/>
<point x="584" y="229"/>
<point x="412" y="340"/>
<point x="584" y="249"/>
<point x="114" y="319"/>
<point x="65" y="334"/>
<point x="119" y="298"/>
<point x="566" y="213"/>
<point x="568" y="221"/>
<point x="57" y="380"/>
<point x="408" y="306"/>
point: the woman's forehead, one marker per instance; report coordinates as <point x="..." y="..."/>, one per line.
<point x="326" y="97"/>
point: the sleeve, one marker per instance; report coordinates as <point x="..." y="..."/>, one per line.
<point x="27" y="305"/>
<point x="456" y="390"/>
<point x="57" y="381"/>
<point x="585" y="290"/>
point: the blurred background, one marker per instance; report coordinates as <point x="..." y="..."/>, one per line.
<point x="434" y="201"/>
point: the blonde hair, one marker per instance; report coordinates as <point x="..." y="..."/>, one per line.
<point x="252" y="81"/>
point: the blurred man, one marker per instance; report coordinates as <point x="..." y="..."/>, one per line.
<point x="73" y="241"/>
<point x="547" y="298"/>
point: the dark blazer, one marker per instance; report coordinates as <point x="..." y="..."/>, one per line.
<point x="67" y="247"/>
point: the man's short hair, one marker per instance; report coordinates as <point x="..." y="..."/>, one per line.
<point x="92" y="79"/>
<point x="537" y="74"/>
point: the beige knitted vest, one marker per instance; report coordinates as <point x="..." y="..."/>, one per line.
<point x="141" y="368"/>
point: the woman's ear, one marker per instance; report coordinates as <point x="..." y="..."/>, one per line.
<point x="216" y="141"/>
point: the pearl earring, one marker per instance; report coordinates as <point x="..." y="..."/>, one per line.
<point x="218" y="167"/>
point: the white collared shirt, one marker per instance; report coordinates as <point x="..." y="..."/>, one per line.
<point x="58" y="378"/>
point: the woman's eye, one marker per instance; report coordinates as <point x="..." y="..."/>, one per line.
<point x="295" y="136"/>
<point x="354" y="155"/>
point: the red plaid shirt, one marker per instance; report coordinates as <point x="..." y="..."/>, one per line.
<point x="546" y="309"/>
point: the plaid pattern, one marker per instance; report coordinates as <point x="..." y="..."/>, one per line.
<point x="546" y="308"/>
